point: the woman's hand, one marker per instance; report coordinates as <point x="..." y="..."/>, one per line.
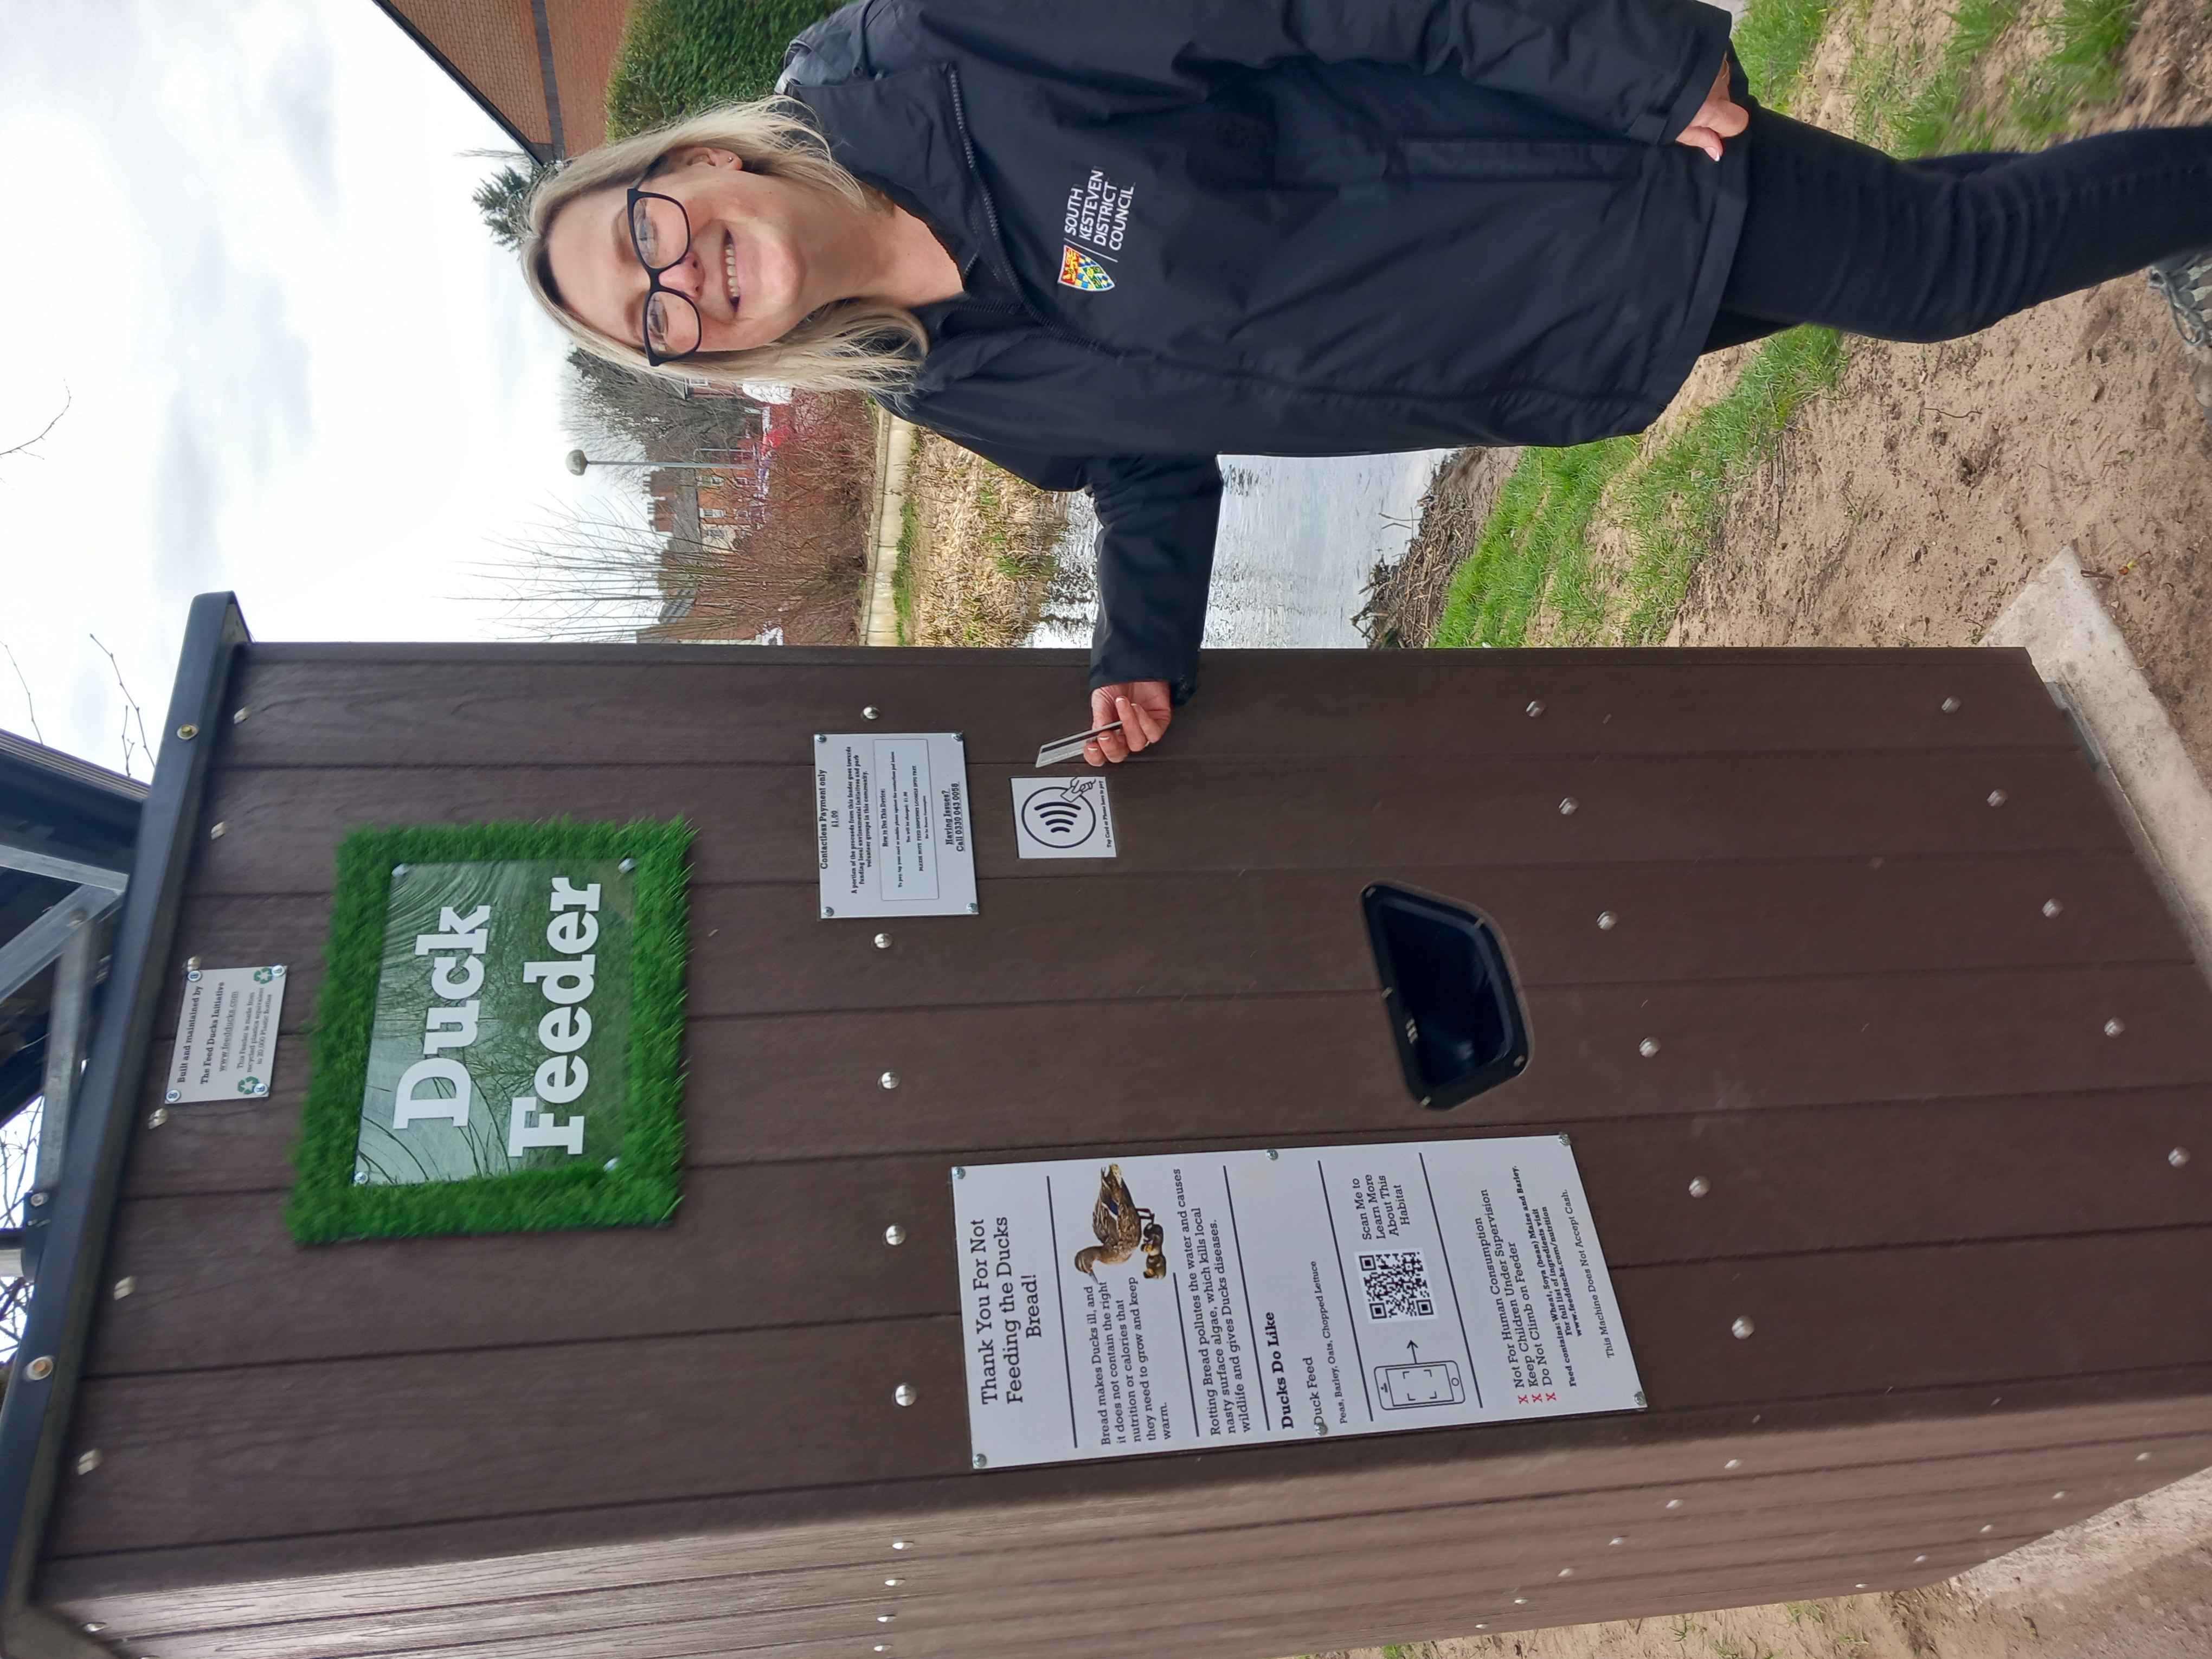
<point x="1719" y="117"/>
<point x="1144" y="708"/>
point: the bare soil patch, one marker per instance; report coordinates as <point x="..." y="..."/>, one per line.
<point x="1405" y="599"/>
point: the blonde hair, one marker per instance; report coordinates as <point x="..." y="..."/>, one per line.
<point x="848" y="346"/>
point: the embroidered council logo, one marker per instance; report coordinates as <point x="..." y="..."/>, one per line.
<point x="1079" y="270"/>
<point x="1096" y="220"/>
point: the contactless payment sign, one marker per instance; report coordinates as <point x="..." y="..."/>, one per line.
<point x="1063" y="818"/>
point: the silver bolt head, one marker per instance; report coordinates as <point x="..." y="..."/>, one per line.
<point x="1272" y="1154"/>
<point x="975" y="909"/>
<point x="627" y="865"/>
<point x="889" y="1079"/>
<point x="1733" y="1463"/>
<point x="893" y="1584"/>
<point x="827" y="911"/>
<point x="191" y="964"/>
<point x="2178" y="1157"/>
<point x="978" y="1461"/>
<point x="612" y="1163"/>
<point x="38" y="1200"/>
<point x="218" y="831"/>
<point x="1699" y="1186"/>
<point x="2114" y="1027"/>
<point x="895" y="1234"/>
<point x="95" y="1626"/>
<point x="1568" y="807"/>
<point x="1535" y="708"/>
<point x="959" y="1172"/>
<point x="1742" y="1327"/>
<point x="1950" y="704"/>
<point x="2051" y="907"/>
<point x="885" y="1617"/>
<point x="360" y="1177"/>
<point x="883" y="941"/>
<point x="40" y="1369"/>
<point x="1648" y="1047"/>
<point x="869" y="713"/>
<point x="238" y="716"/>
<point x="87" y="1461"/>
<point x="1607" y="921"/>
<point x="904" y="1393"/>
<point x="160" y="1113"/>
<point x="900" y="1544"/>
<point x="172" y="1096"/>
<point x="124" y="1286"/>
<point x="399" y="869"/>
<point x="188" y="732"/>
<point x="1997" y="798"/>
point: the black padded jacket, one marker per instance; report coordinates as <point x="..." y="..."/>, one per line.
<point x="1190" y="228"/>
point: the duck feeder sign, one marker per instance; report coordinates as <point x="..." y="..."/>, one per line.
<point x="1192" y="1302"/>
<point x="498" y="1033"/>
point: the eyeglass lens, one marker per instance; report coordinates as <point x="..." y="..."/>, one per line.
<point x="663" y="236"/>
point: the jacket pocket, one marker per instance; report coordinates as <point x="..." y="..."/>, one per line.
<point x="1503" y="158"/>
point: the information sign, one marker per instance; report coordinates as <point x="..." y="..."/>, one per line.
<point x="1192" y="1301"/>
<point x="226" y="1045"/>
<point x="890" y="825"/>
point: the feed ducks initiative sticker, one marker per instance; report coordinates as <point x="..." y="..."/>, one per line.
<point x="1191" y="1301"/>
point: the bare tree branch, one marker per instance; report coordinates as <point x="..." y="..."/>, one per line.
<point x="32" y="443"/>
<point x="29" y="707"/>
<point x="130" y="712"/>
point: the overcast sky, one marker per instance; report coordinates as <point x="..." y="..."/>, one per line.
<point x="241" y="243"/>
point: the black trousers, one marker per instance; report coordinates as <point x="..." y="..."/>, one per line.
<point x="1838" y="233"/>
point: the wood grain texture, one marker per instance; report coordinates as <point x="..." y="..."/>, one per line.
<point x="1934" y="1182"/>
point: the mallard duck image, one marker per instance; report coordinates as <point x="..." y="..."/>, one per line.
<point x="1121" y="1225"/>
<point x="1156" y="1255"/>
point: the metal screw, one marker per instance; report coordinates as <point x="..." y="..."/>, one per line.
<point x="2178" y="1157"/>
<point x="193" y="976"/>
<point x="1950" y="704"/>
<point x="1699" y="1186"/>
<point x="1917" y="1560"/>
<point x="1567" y="1572"/>
<point x="978" y="1461"/>
<point x="821" y="737"/>
<point x="1742" y="1327"/>
<point x="192" y="964"/>
<point x="1520" y="1601"/>
<point x="1648" y="1047"/>
<point x="612" y="1162"/>
<point x="883" y="941"/>
<point x="1272" y="1154"/>
<point x="2056" y="1496"/>
<point x="238" y="716"/>
<point x="188" y="732"/>
<point x="827" y="911"/>
<point x="1607" y="921"/>
<point x="95" y="1626"/>
<point x="1535" y="709"/>
<point x="973" y="909"/>
<point x="40" y="1369"/>
<point x="1989" y="1529"/>
<point x="1674" y="1503"/>
<point x="1858" y="1587"/>
<point x="398" y="870"/>
<point x="1733" y="1463"/>
<point x="904" y="1393"/>
<point x="2051" y="907"/>
<point x="885" y="1617"/>
<point x="360" y="1177"/>
<point x="159" y="1116"/>
<point x="893" y="1584"/>
<point x="218" y="831"/>
<point x="627" y="865"/>
<point x="900" y="1544"/>
<point x="895" y="1234"/>
<point x="87" y="1461"/>
<point x="869" y="713"/>
<point x="959" y="1173"/>
<point x="2113" y="1027"/>
<point x="38" y="1200"/>
<point x="1569" y="806"/>
<point x="1997" y="798"/>
<point x="2143" y="1458"/>
<point x="889" y="1079"/>
<point x="125" y="1285"/>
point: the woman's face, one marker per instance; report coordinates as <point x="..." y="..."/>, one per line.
<point x="748" y="270"/>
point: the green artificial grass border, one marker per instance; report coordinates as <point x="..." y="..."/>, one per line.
<point x="642" y="1190"/>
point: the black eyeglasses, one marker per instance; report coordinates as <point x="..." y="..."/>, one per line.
<point x="661" y="231"/>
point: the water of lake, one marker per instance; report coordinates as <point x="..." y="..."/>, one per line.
<point x="1299" y="540"/>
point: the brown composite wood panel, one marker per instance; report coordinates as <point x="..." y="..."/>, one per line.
<point x="458" y="707"/>
<point x="1916" y="1436"/>
<point x="1276" y="931"/>
<point x="1505" y="1545"/>
<point x="1936" y="1184"/>
<point x="1233" y="816"/>
<point x="760" y="1245"/>
<point x="371" y="1442"/>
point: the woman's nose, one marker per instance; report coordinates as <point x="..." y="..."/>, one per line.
<point x="686" y="276"/>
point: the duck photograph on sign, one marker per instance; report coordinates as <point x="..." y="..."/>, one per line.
<point x="498" y="1035"/>
<point x="1192" y="1301"/>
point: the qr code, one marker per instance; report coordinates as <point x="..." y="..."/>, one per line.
<point x="1396" y="1285"/>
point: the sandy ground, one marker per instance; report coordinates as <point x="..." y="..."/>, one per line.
<point x="1909" y="508"/>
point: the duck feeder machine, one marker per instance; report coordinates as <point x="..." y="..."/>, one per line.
<point x="631" y="1152"/>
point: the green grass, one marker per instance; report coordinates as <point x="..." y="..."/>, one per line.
<point x="902" y="571"/>
<point x="1909" y="98"/>
<point x="642" y="1189"/>
<point x="680" y="57"/>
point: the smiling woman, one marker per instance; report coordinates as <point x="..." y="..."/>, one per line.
<point x="734" y="232"/>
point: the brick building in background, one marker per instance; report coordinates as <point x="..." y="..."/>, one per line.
<point x="539" y="68"/>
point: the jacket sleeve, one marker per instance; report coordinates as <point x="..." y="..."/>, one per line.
<point x="1156" y="518"/>
<point x="1640" y="68"/>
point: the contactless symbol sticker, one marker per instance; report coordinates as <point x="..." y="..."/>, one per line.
<point x="1079" y="270"/>
<point x="1063" y="818"/>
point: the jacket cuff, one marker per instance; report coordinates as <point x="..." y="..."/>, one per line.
<point x="1111" y="667"/>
